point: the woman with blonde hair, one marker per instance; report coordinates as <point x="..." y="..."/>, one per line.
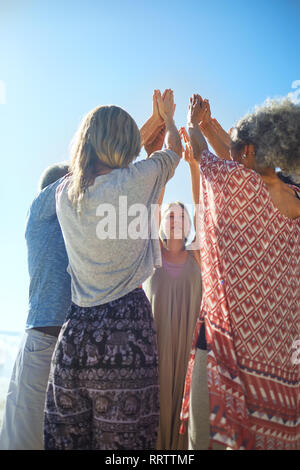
<point x="174" y="291"/>
<point x="103" y="389"/>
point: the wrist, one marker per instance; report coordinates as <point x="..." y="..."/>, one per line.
<point x="193" y="164"/>
<point x="205" y="125"/>
<point x="193" y="124"/>
<point x="157" y="119"/>
<point x="169" y="121"/>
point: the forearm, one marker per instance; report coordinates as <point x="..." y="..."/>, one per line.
<point x="172" y="139"/>
<point x="195" y="180"/>
<point x="217" y="142"/>
<point x="149" y="128"/>
<point x="197" y="140"/>
<point x="222" y="133"/>
<point x="160" y="200"/>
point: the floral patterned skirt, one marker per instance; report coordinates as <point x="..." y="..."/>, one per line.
<point x="103" y="390"/>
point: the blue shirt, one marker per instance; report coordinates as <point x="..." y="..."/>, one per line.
<point x="50" y="284"/>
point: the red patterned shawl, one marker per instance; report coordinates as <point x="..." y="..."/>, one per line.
<point x="251" y="307"/>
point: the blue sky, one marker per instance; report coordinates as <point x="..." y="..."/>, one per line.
<point x="59" y="59"/>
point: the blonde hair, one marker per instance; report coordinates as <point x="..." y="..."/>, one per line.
<point x="107" y="134"/>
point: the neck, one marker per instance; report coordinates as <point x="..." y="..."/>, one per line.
<point x="175" y="246"/>
<point x="269" y="176"/>
<point x="101" y="168"/>
<point x="273" y="183"/>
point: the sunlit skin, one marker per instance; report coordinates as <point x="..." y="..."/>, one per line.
<point x="153" y="130"/>
<point x="282" y="195"/>
<point x="175" y="251"/>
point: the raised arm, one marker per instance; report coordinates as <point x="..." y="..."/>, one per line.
<point x="221" y="132"/>
<point x="193" y="165"/>
<point x="154" y="123"/>
<point x="164" y="107"/>
<point x="195" y="116"/>
<point x="195" y="179"/>
<point x="215" y="134"/>
<point x="166" y="110"/>
<point x="156" y="141"/>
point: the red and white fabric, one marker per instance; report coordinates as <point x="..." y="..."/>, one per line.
<point x="250" y="255"/>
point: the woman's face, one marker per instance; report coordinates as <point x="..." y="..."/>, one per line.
<point x="246" y="155"/>
<point x="175" y="223"/>
<point x="234" y="155"/>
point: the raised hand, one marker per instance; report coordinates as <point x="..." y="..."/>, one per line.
<point x="197" y="110"/>
<point x="184" y="135"/>
<point x="154" y="122"/>
<point x="187" y="151"/>
<point x="166" y="105"/>
<point x="206" y="118"/>
<point x="155" y="109"/>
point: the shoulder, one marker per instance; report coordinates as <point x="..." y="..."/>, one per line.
<point x="194" y="253"/>
<point x="229" y="173"/>
<point x="157" y="161"/>
<point x="63" y="185"/>
<point x="61" y="193"/>
<point x="43" y="204"/>
<point x="210" y="163"/>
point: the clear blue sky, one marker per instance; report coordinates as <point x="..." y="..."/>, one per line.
<point x="60" y="58"/>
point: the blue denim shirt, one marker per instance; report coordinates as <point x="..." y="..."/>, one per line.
<point x="50" y="284"/>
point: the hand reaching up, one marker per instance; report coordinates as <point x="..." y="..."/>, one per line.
<point x="197" y="110"/>
<point x="154" y="122"/>
<point x="166" y="106"/>
<point x="155" y="109"/>
<point x="187" y="151"/>
<point x="206" y="118"/>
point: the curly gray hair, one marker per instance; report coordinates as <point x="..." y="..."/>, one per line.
<point x="274" y="130"/>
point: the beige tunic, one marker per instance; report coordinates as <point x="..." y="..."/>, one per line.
<point x="176" y="306"/>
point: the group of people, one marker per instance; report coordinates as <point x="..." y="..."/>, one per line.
<point x="151" y="342"/>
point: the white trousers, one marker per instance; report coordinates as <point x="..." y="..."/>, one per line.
<point x="198" y="424"/>
<point x="23" y="420"/>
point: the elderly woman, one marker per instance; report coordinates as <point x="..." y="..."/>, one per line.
<point x="103" y="389"/>
<point x="249" y="242"/>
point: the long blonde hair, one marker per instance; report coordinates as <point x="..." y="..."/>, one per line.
<point x="107" y="134"/>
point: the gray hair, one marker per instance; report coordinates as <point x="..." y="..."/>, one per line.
<point x="52" y="174"/>
<point x="274" y="130"/>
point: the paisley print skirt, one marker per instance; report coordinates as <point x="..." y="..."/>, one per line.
<point x="103" y="390"/>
